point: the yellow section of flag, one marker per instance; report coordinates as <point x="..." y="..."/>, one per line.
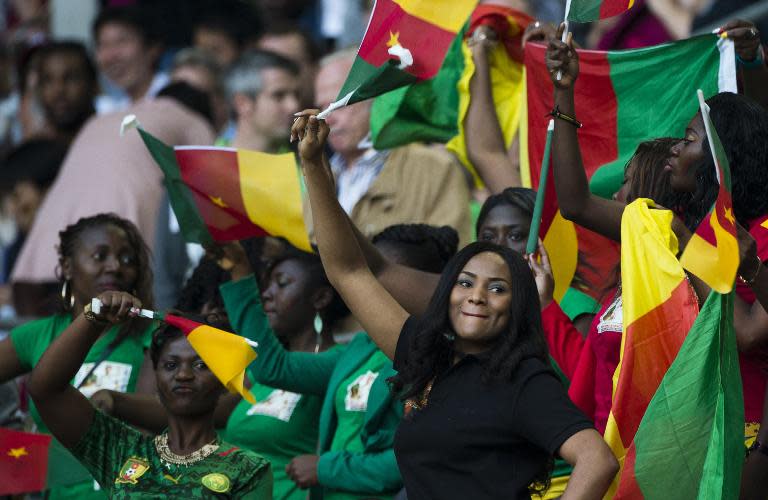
<point x="271" y="193"/>
<point x="449" y="15"/>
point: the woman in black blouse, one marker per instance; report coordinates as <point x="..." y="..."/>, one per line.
<point x="487" y="414"/>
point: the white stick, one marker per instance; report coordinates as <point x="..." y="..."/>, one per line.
<point x="565" y="32"/>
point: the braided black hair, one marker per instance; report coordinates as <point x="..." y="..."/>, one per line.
<point x="421" y="246"/>
<point x="69" y="240"/>
<point x="202" y="287"/>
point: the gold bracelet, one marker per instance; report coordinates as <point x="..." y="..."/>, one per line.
<point x="754" y="276"/>
<point x="91" y="316"/>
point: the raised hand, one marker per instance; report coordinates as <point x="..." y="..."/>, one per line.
<point x="542" y="274"/>
<point x="562" y="60"/>
<point x="745" y="36"/>
<point x="116" y="307"/>
<point x="311" y="134"/>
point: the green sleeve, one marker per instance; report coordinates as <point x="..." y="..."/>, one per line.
<point x="30" y="341"/>
<point x="264" y="486"/>
<point x="302" y="372"/>
<point x="98" y="448"/>
<point x="370" y="473"/>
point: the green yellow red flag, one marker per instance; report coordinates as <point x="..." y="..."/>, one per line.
<point x="712" y="253"/>
<point x="586" y="11"/>
<point x="226" y="194"/>
<point x="226" y="354"/>
<point x="405" y="42"/>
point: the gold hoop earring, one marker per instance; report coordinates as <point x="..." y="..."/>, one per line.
<point x="64" y="292"/>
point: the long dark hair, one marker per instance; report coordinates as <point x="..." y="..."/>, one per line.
<point x="69" y="239"/>
<point x="431" y="351"/>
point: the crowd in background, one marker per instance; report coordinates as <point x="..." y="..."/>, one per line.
<point x="83" y="213"/>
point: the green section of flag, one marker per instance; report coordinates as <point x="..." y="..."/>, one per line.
<point x="63" y="468"/>
<point x="690" y="439"/>
<point x="584" y="11"/>
<point x="366" y="81"/>
<point x="190" y="221"/>
<point x="652" y="104"/>
<point x="426" y="111"/>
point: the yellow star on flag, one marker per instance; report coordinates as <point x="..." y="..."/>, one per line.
<point x="729" y="215"/>
<point x="218" y="201"/>
<point x="393" y="39"/>
<point x="17" y="452"/>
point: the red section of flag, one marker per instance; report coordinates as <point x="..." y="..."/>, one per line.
<point x="23" y="461"/>
<point x="183" y="324"/>
<point x="508" y="24"/>
<point x="391" y="24"/>
<point x="610" y="8"/>
<point x="628" y="487"/>
<point x="213" y="177"/>
<point x="657" y="335"/>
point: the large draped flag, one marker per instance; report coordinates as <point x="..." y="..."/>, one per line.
<point x="622" y="98"/>
<point x="226" y="194"/>
<point x="677" y="417"/>
<point x="586" y="11"/>
<point x="712" y="254"/>
<point x="405" y="42"/>
<point x="32" y="462"/>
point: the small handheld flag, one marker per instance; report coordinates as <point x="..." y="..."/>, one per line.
<point x="712" y="254"/>
<point x="226" y="354"/>
<point x="538" y="208"/>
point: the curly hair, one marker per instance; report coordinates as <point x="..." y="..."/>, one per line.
<point x="522" y="198"/>
<point x="421" y="246"/>
<point x="69" y="241"/>
<point x="202" y="287"/>
<point x="742" y="126"/>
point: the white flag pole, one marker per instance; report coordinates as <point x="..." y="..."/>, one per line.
<point x="565" y="31"/>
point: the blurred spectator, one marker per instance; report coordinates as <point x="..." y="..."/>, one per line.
<point x="293" y="42"/>
<point x="108" y="173"/>
<point x="408" y="184"/>
<point x="128" y="48"/>
<point x="26" y="174"/>
<point x="200" y="70"/>
<point x="263" y="89"/>
<point x="343" y="22"/>
<point x="224" y="30"/>
<point x="66" y="88"/>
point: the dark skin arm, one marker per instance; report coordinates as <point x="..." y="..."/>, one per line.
<point x="65" y="411"/>
<point x="747" y="45"/>
<point x="756" y="466"/>
<point x="576" y="202"/>
<point x="751" y="320"/>
<point x="10" y="365"/>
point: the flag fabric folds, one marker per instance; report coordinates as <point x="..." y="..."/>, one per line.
<point x="622" y="98"/>
<point x="659" y="307"/>
<point x="712" y="253"/>
<point x="226" y="354"/>
<point x="226" y="194"/>
<point x="586" y="11"/>
<point x="405" y="42"/>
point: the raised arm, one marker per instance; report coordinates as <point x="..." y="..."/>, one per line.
<point x="484" y="139"/>
<point x="576" y="202"/>
<point x="750" y="321"/>
<point x="343" y="260"/>
<point x="749" y="50"/>
<point x="66" y="412"/>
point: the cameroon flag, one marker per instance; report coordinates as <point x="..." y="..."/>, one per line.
<point x="405" y="42"/>
<point x="226" y="354"/>
<point x="586" y="11"/>
<point x="227" y="194"/>
<point x="623" y="98"/>
<point x="712" y="254"/>
<point x="31" y="462"/>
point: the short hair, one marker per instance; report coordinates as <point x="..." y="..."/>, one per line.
<point x="191" y="98"/>
<point x="313" y="49"/>
<point x="197" y="58"/>
<point x="236" y="20"/>
<point x="421" y="246"/>
<point x="36" y="160"/>
<point x="142" y="20"/>
<point x="69" y="47"/>
<point x="245" y="75"/>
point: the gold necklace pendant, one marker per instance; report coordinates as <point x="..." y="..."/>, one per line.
<point x="170" y="458"/>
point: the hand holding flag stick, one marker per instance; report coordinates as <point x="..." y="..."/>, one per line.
<point x="226" y="354"/>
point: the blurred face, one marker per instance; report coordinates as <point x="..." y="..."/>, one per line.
<point x="506" y="225"/>
<point x="201" y="79"/>
<point x="23" y="203"/>
<point x="123" y="57"/>
<point x="686" y="156"/>
<point x="275" y="105"/>
<point x="103" y="260"/>
<point x="66" y="91"/>
<point x="480" y="302"/>
<point x="621" y="194"/>
<point x="287" y="299"/>
<point x="350" y="124"/>
<point x="185" y="385"/>
<point x="217" y="44"/>
<point x="291" y="46"/>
